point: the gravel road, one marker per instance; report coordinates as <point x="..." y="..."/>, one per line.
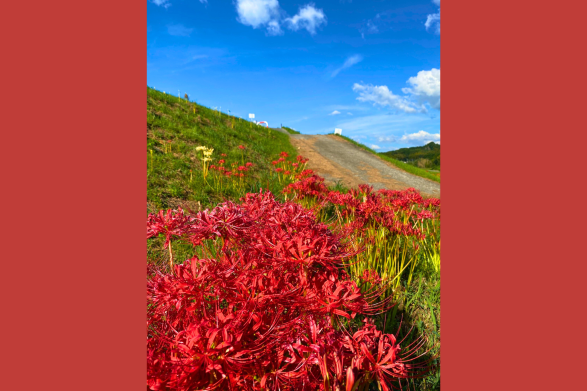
<point x="336" y="159"/>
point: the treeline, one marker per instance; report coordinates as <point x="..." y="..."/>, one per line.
<point x="427" y="156"/>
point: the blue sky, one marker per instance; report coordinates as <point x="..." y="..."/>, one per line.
<point x="369" y="67"/>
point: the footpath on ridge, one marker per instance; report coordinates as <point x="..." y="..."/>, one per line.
<point x="336" y="159"/>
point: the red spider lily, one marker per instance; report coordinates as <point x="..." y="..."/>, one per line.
<point x="261" y="313"/>
<point x="371" y="277"/>
<point x="288" y="172"/>
<point x="241" y="147"/>
<point x="249" y="164"/>
<point x="274" y="162"/>
<point x="284" y="154"/>
<point x="425" y="214"/>
<point x="311" y="187"/>
<point x="242" y="168"/>
<point x="170" y="223"/>
<point x="223" y="154"/>
<point x="221" y="161"/>
<point x="279" y="169"/>
<point x="305" y="174"/>
<point x="242" y="175"/>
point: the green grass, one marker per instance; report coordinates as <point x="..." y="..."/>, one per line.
<point x="404" y="166"/>
<point x="183" y="126"/>
<point x="290" y="130"/>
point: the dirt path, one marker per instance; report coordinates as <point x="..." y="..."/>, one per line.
<point x="336" y="159"/>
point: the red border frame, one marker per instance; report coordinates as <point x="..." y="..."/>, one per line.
<point x="74" y="187"/>
<point x="512" y="284"/>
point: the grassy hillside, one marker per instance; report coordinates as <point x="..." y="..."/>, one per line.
<point x="175" y="128"/>
<point x="426" y="156"/>
<point x="399" y="164"/>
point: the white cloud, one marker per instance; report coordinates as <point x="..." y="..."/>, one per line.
<point x="179" y="30"/>
<point x="373" y="146"/>
<point x="335" y="112"/>
<point x="349" y="113"/>
<point x="308" y="18"/>
<point x="420" y="138"/>
<point x="433" y="20"/>
<point x="268" y="13"/>
<point x="257" y="13"/>
<point x="273" y="28"/>
<point x="425" y="87"/>
<point x="423" y="91"/>
<point x="349" y="62"/>
<point x="163" y="3"/>
<point x="382" y="96"/>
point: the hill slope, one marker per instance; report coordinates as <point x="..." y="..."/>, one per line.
<point x="426" y="156"/>
<point x="175" y="128"/>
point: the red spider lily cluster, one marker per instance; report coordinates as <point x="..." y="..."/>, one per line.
<point x="391" y="226"/>
<point x="266" y="305"/>
<point x="232" y="175"/>
<point x="288" y="171"/>
<point x="397" y="210"/>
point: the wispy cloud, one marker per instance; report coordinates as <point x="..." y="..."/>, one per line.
<point x="382" y="124"/>
<point x="383" y="96"/>
<point x="162" y="3"/>
<point x="433" y="20"/>
<point x="335" y="112"/>
<point x="181" y="57"/>
<point x="387" y="139"/>
<point x="420" y="138"/>
<point x="347" y="107"/>
<point x="349" y="62"/>
<point x="179" y="30"/>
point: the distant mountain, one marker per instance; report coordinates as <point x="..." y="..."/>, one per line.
<point x="427" y="156"/>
